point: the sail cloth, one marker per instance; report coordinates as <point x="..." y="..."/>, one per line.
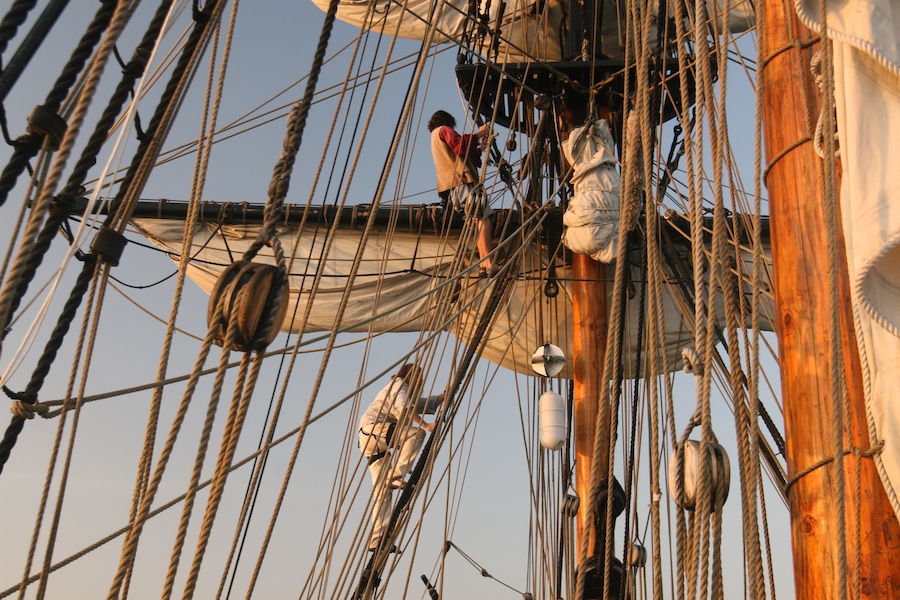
<point x="391" y="291"/>
<point x="528" y="29"/>
<point x="866" y="39"/>
<point x="592" y="216"/>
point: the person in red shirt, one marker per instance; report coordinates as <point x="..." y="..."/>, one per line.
<point x="456" y="161"/>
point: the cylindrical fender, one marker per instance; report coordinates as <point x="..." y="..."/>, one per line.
<point x="552" y="409"/>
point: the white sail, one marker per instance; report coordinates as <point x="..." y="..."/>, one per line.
<point x="390" y="292"/>
<point x="528" y="29"/>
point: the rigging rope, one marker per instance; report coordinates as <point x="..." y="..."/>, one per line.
<point x="208" y="125"/>
<point x="135" y="178"/>
<point x="425" y="460"/>
<point x="46" y="127"/>
<point x="28" y="398"/>
<point x="758" y="577"/>
<point x="482" y="570"/>
<point x="14" y="17"/>
<point x="20" y="272"/>
<point x="258" y="470"/>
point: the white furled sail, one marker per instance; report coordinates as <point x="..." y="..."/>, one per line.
<point x="866" y="39"/>
<point x="592" y="215"/>
<point x="391" y="290"/>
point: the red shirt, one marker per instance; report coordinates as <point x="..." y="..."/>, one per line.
<point x="462" y="145"/>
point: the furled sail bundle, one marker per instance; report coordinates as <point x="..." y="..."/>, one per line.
<point x="396" y="287"/>
<point x="592" y="216"/>
<point x="510" y="32"/>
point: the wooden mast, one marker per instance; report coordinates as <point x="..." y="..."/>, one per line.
<point x="590" y="324"/>
<point x="801" y="294"/>
<point x="589" y="317"/>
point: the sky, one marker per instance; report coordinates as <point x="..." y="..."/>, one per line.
<point x="487" y="517"/>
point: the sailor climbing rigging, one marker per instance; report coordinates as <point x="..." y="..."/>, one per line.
<point x="389" y="441"/>
<point x="456" y="161"/>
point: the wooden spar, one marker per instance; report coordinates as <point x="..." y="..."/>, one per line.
<point x="798" y="235"/>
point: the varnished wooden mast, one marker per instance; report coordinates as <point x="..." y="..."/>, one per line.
<point x="590" y="324"/>
<point x="589" y="344"/>
<point x="801" y="295"/>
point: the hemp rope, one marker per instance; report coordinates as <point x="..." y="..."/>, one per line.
<point x="353" y="270"/>
<point x="133" y="535"/>
<point x="200" y="169"/>
<point x="759" y="585"/>
<point x="57" y="445"/>
<point x="19" y="269"/>
<point x="30" y="144"/>
<point x="89" y="330"/>
<point x="132" y="185"/>
<point x="839" y="392"/>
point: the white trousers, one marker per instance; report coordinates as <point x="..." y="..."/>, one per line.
<point x="397" y="461"/>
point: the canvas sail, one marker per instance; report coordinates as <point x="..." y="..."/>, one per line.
<point x="867" y="97"/>
<point x="392" y="291"/>
<point x="526" y="30"/>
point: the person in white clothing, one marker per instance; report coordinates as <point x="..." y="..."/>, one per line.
<point x="389" y="441"/>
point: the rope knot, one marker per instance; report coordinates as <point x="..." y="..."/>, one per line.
<point x="25" y="410"/>
<point x="692" y="362"/>
<point x="27" y="397"/>
<point x="268" y="234"/>
<point x="135" y="67"/>
<point x="876" y="448"/>
<point x="29" y="141"/>
<point x="25" y="404"/>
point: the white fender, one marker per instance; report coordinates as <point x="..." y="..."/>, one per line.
<point x="552" y="411"/>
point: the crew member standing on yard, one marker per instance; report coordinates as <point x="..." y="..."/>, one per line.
<point x="390" y="442"/>
<point x="456" y="160"/>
